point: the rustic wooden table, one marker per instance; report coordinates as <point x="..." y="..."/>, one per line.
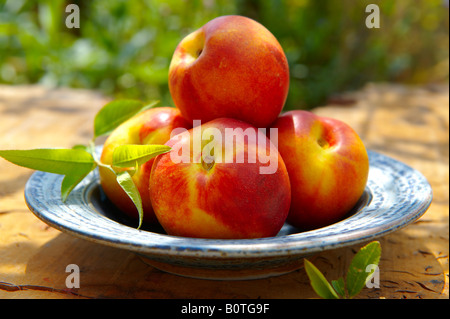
<point x="410" y="124"/>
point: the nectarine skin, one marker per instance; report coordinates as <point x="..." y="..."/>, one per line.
<point x="152" y="126"/>
<point x="222" y="200"/>
<point x="328" y="167"/>
<point x="231" y="67"/>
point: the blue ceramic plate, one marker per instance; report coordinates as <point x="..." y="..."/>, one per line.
<point x="396" y="195"/>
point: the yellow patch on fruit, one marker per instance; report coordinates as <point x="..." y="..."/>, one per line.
<point x="207" y="226"/>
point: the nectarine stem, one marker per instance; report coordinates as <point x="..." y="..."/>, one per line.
<point x="322" y="142"/>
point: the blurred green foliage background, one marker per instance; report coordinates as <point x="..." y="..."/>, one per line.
<point x="124" y="48"/>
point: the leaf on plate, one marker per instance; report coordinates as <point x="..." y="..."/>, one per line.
<point x="135" y="155"/>
<point x="115" y="113"/>
<point x="357" y="275"/>
<point x="318" y="282"/>
<point x="80" y="147"/>
<point x="126" y="182"/>
<point x="70" y="181"/>
<point x="51" y="160"/>
<point x="75" y="164"/>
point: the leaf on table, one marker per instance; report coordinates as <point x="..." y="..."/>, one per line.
<point x="339" y="286"/>
<point x="318" y="282"/>
<point x="357" y="275"/>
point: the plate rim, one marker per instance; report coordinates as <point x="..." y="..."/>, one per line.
<point x="270" y="247"/>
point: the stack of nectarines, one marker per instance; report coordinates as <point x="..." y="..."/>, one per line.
<point x="237" y="167"/>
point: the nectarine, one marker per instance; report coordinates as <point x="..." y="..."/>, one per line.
<point x="328" y="167"/>
<point x="231" y="67"/>
<point x="218" y="190"/>
<point x="153" y="126"/>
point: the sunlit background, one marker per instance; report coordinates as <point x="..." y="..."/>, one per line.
<point x="123" y="48"/>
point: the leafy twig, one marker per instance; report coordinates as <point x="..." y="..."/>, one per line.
<point x="356" y="277"/>
<point x="76" y="163"/>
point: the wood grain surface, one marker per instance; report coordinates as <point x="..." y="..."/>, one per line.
<point x="410" y="124"/>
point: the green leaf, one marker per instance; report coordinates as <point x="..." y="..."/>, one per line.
<point x="80" y="147"/>
<point x="319" y="283"/>
<point x="70" y="181"/>
<point x="115" y="113"/>
<point x="75" y="164"/>
<point x="57" y="161"/>
<point x="357" y="275"/>
<point x="126" y="182"/>
<point x="90" y="148"/>
<point x="339" y="286"/>
<point x="134" y="155"/>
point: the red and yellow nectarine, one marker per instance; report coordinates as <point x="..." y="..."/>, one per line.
<point x="153" y="126"/>
<point x="328" y="167"/>
<point x="211" y="193"/>
<point x="231" y="67"/>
